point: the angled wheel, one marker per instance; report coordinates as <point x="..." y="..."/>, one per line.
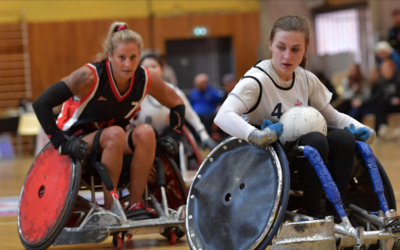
<point x="47" y="198"/>
<point x="191" y="149"/>
<point x="361" y="193"/>
<point x="238" y="197"/>
<point x="175" y="188"/>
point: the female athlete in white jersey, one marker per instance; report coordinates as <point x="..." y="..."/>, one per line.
<point x="273" y="86"/>
<point x="155" y="114"/>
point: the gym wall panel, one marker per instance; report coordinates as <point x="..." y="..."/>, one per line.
<point x="49" y="11"/>
<point x="59" y="48"/>
<point x="165" y="7"/>
<point x="243" y="28"/>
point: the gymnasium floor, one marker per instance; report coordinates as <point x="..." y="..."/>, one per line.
<point x="12" y="174"/>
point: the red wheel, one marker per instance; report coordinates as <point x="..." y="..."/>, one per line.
<point x="47" y="198"/>
<point x="117" y="242"/>
<point x="172" y="238"/>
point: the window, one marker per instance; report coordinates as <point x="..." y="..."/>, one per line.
<point x="338" y="32"/>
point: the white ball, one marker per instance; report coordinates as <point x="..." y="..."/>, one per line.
<point x="298" y="121"/>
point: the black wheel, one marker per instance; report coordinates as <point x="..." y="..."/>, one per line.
<point x="238" y="197"/>
<point x="47" y="198"/>
<point x="361" y="193"/>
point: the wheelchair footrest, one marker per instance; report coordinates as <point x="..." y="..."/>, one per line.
<point x="316" y="234"/>
<point x="139" y="214"/>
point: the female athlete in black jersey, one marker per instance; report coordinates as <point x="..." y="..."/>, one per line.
<point x="106" y="94"/>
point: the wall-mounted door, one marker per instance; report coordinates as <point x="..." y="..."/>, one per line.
<point x="213" y="56"/>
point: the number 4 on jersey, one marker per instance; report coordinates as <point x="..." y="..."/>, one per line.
<point x="277" y="111"/>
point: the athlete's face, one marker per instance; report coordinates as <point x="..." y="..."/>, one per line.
<point x="124" y="60"/>
<point x="152" y="65"/>
<point x="288" y="49"/>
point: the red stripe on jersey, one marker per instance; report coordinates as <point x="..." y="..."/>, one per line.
<point x="68" y="110"/>
<point x="113" y="85"/>
<point x="70" y="106"/>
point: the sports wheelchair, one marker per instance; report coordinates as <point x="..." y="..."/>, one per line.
<point x="52" y="210"/>
<point x="241" y="198"/>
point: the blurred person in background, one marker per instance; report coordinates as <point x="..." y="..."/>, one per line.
<point x="355" y="89"/>
<point x="362" y="108"/>
<point x="386" y="96"/>
<point x="205" y="100"/>
<point x="383" y="51"/>
<point x="394" y="32"/>
<point x="321" y="76"/>
<point x="168" y="72"/>
<point x="153" y="113"/>
<point x="228" y="83"/>
<point x="106" y="94"/>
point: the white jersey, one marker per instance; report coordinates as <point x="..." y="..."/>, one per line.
<point x="267" y="96"/>
<point x="157" y="115"/>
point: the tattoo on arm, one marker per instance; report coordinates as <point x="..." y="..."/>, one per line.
<point x="80" y="82"/>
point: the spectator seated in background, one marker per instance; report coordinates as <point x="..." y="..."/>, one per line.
<point x="355" y="90"/>
<point x="228" y="84"/>
<point x="394" y="32"/>
<point x="383" y="51"/>
<point x="205" y="100"/>
<point x="360" y="109"/>
<point x="321" y="76"/>
<point x="386" y="96"/>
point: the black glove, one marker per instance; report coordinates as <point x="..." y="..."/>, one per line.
<point x="169" y="144"/>
<point x="72" y="146"/>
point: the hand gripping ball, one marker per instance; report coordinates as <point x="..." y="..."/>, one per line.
<point x="298" y="121"/>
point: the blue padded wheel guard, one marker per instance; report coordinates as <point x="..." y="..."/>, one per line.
<point x="329" y="185"/>
<point x="373" y="170"/>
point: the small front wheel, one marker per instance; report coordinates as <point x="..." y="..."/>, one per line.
<point x="172" y="238"/>
<point x="117" y="242"/>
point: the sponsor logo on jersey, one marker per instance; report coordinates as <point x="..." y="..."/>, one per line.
<point x="101" y="98"/>
<point x="298" y="103"/>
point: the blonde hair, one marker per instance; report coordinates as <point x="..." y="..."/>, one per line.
<point x="119" y="32"/>
<point x="292" y="23"/>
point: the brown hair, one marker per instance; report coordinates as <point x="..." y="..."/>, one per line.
<point x="358" y="77"/>
<point x="292" y="23"/>
<point x="119" y="32"/>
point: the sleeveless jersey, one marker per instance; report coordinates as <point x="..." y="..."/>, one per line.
<point x="154" y="113"/>
<point x="267" y="96"/>
<point x="104" y="106"/>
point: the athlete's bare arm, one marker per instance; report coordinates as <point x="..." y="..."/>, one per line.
<point x="80" y="81"/>
<point x="163" y="93"/>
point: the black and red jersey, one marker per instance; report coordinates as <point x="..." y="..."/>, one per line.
<point x="104" y="105"/>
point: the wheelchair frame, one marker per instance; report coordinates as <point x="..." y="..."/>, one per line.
<point x="94" y="224"/>
<point x="297" y="231"/>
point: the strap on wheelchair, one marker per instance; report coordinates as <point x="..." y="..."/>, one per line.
<point x="92" y="161"/>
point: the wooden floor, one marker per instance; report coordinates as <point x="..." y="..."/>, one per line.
<point x="12" y="174"/>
